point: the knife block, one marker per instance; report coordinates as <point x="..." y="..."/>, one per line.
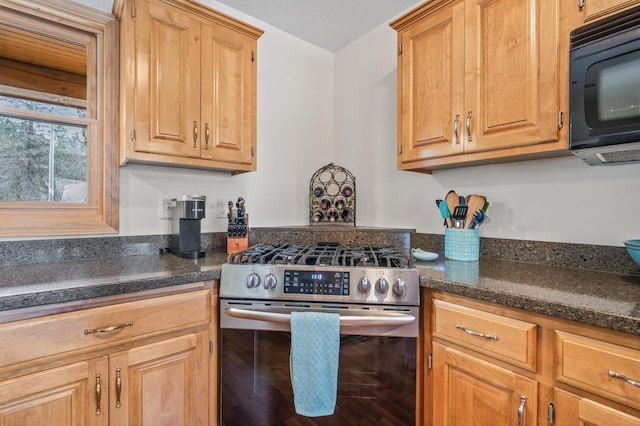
<point x="238" y="242"/>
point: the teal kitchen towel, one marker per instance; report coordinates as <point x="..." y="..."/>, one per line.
<point x="315" y="349"/>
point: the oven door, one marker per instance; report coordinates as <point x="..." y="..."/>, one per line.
<point x="376" y="372"/>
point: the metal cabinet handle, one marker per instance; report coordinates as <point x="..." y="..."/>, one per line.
<point x="469" y="126"/>
<point x="108" y="329"/>
<point x="523" y="401"/>
<point x="98" y="394"/>
<point x="118" y="388"/>
<point x="207" y="133"/>
<point x="617" y="375"/>
<point x="475" y="333"/>
<point x="456" y="123"/>
<point x="580" y="5"/>
<point x="195" y="134"/>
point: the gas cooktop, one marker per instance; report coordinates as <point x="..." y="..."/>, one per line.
<point x="321" y="272"/>
<point x="322" y="254"/>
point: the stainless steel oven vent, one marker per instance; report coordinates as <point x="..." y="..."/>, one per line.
<point x="609" y="156"/>
<point x="627" y="156"/>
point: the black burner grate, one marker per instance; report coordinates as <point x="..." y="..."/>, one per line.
<point x="322" y="254"/>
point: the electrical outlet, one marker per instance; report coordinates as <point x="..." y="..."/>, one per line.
<point x="221" y="208"/>
<point x="165" y="206"/>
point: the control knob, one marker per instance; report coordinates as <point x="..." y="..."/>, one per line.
<point x="253" y="280"/>
<point x="382" y="285"/>
<point x="364" y="285"/>
<point x="400" y="287"/>
<point x="270" y="282"/>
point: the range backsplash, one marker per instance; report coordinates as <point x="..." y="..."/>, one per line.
<point x="583" y="256"/>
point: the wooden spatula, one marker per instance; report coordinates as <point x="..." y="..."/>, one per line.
<point x="452" y="201"/>
<point x="475" y="203"/>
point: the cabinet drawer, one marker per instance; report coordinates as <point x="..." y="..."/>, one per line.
<point x="591" y="365"/>
<point x="56" y="334"/>
<point x="503" y="338"/>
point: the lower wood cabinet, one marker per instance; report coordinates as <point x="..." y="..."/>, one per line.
<point x="492" y="365"/>
<point x="159" y="378"/>
<point x="62" y="396"/>
<point x="578" y="411"/>
<point x="470" y="391"/>
<point x="164" y="383"/>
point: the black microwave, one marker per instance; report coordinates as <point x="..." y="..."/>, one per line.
<point x="604" y="96"/>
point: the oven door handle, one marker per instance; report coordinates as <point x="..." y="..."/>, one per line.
<point x="390" y="318"/>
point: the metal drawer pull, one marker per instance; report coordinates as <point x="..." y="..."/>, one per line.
<point x="98" y="394"/>
<point x="108" y="329"/>
<point x="345" y="321"/>
<point x="616" y="375"/>
<point x="456" y="124"/>
<point x="195" y="134"/>
<point x="523" y="401"/>
<point x="118" y="388"/>
<point x="475" y="333"/>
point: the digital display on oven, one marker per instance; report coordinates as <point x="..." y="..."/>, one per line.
<point x="316" y="282"/>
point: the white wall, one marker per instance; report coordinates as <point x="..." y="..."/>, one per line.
<point x="315" y="107"/>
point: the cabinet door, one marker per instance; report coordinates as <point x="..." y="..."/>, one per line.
<point x="167" y="86"/>
<point x="228" y="95"/>
<point x="74" y="394"/>
<point x="591" y="10"/>
<point x="470" y="391"/>
<point x="573" y="410"/>
<point x="431" y="86"/>
<point x="161" y="384"/>
<point x="512" y="84"/>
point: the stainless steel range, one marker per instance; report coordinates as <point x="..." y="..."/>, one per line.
<point x="377" y="296"/>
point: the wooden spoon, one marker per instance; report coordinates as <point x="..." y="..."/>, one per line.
<point x="452" y="201"/>
<point x="475" y="203"/>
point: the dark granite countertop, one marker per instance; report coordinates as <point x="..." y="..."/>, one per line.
<point x="603" y="299"/>
<point x="23" y="286"/>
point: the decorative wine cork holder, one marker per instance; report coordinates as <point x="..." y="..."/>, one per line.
<point x="332" y="196"/>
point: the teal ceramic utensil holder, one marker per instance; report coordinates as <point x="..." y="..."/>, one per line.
<point x="462" y="244"/>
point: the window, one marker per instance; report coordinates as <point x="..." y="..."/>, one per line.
<point x="58" y="126"/>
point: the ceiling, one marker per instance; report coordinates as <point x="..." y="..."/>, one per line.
<point x="329" y="24"/>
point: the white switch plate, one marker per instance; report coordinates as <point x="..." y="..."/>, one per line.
<point x="221" y="208"/>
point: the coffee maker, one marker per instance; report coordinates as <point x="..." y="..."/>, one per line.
<point x="186" y="217"/>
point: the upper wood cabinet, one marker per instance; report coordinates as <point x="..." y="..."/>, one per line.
<point x="189" y="86"/>
<point x="586" y="11"/>
<point x="479" y="82"/>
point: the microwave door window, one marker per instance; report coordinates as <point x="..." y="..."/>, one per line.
<point x="612" y="92"/>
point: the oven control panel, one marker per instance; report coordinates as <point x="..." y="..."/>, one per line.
<point x="334" y="283"/>
<point x="339" y="284"/>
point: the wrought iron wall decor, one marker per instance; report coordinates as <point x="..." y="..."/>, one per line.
<point x="332" y="196"/>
